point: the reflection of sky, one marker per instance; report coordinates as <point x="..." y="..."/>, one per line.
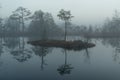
<point x="101" y="66"/>
<point x="85" y="11"/>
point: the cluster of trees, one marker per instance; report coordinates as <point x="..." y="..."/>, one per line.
<point x="23" y="23"/>
<point x="111" y="27"/>
<point x="15" y="23"/>
<point x="83" y="30"/>
<point x="66" y="17"/>
<point x="42" y="24"/>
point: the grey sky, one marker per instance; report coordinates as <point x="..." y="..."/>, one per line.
<point x="85" y="11"/>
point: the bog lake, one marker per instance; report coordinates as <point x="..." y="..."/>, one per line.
<point x="22" y="61"/>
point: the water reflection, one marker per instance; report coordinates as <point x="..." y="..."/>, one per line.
<point x="116" y="55"/>
<point x="42" y="52"/>
<point x="21" y="55"/>
<point x="1" y="52"/>
<point x="17" y="48"/>
<point x="1" y="48"/>
<point x="115" y="43"/>
<point x="19" y="51"/>
<point x="65" y="68"/>
<point x="11" y="43"/>
<point x="87" y="56"/>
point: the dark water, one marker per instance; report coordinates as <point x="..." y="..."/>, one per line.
<point x="22" y="61"/>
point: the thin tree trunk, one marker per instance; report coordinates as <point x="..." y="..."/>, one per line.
<point x="65" y="37"/>
<point x="23" y="26"/>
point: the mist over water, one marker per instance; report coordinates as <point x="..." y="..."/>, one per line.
<point x="19" y="60"/>
<point x="59" y="40"/>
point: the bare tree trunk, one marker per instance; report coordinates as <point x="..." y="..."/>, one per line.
<point x="19" y="26"/>
<point x="65" y="37"/>
<point x="23" y="26"/>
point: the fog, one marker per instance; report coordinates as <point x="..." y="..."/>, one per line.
<point x="59" y="39"/>
<point x="85" y="11"/>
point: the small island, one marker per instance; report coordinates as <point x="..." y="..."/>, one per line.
<point x="70" y="45"/>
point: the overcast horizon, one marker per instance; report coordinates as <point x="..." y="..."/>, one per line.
<point x="85" y="12"/>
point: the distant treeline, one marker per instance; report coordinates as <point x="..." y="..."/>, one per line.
<point x="24" y="23"/>
<point x="110" y="28"/>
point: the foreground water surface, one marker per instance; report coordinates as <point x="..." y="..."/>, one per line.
<point x="22" y="61"/>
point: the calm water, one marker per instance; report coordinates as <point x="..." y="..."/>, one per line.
<point x="22" y="61"/>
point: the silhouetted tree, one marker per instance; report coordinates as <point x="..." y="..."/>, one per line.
<point x="66" y="17"/>
<point x="38" y="23"/>
<point x="22" y="14"/>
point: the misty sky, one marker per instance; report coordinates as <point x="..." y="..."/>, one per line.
<point x="84" y="11"/>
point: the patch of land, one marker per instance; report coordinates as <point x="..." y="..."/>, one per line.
<point x="71" y="45"/>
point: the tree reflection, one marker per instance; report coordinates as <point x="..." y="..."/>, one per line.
<point x="87" y="39"/>
<point x="116" y="55"/>
<point x="1" y="50"/>
<point x="115" y="43"/>
<point x="1" y="46"/>
<point x="87" y="55"/>
<point x="65" y="68"/>
<point x="11" y="43"/>
<point x="20" y="53"/>
<point x="42" y="52"/>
